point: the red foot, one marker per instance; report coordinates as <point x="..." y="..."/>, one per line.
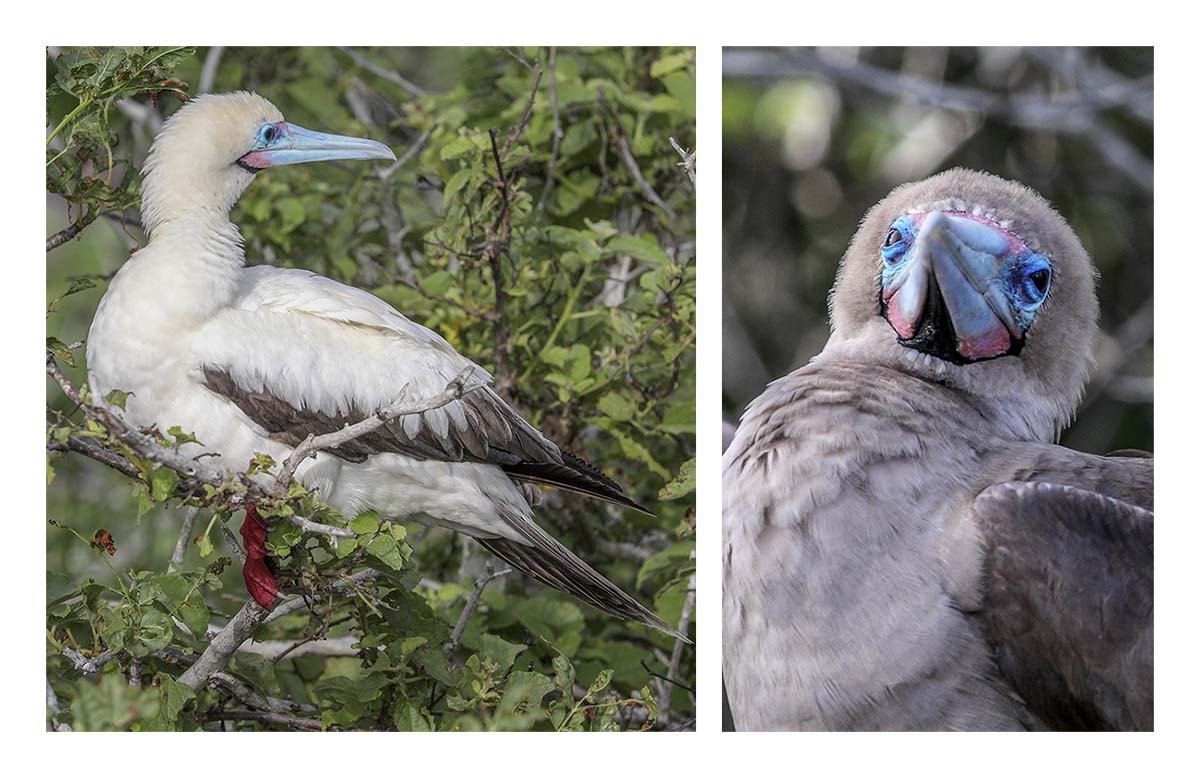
<point x="259" y="581"/>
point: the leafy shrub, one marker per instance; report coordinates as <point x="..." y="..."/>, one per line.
<point x="541" y="220"/>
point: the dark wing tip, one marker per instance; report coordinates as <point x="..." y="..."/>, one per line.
<point x="547" y="561"/>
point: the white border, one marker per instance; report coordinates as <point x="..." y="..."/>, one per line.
<point x="616" y="22"/>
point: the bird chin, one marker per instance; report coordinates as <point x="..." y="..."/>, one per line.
<point x="935" y="337"/>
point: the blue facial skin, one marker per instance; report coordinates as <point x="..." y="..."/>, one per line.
<point x="896" y="254"/>
<point x="268" y="135"/>
<point x="1026" y="275"/>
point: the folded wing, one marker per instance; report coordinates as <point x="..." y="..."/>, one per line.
<point x="1068" y="588"/>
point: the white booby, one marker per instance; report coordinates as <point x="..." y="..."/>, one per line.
<point x="905" y="547"/>
<point x="254" y="359"/>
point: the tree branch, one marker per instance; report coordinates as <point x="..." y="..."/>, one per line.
<point x="472" y="603"/>
<point x="185" y="537"/>
<point x="223" y="646"/>
<point x="557" y="135"/>
<point x="265" y="717"/>
<point x="455" y="390"/>
<point x="384" y="73"/>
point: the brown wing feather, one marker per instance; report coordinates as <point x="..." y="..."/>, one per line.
<point x="1069" y="592"/>
<point x="493" y="434"/>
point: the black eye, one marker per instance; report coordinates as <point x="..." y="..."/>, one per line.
<point x="893" y="237"/>
<point x="1040" y="279"/>
<point x="269" y="133"/>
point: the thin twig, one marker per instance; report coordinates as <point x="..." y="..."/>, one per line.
<point x="455" y="390"/>
<point x="626" y="154"/>
<point x="473" y="602"/>
<point x="231" y="541"/>
<point x="89" y="666"/>
<point x="252" y="699"/>
<point x="65" y="234"/>
<point x="689" y="160"/>
<point x="384" y="73"/>
<point x="685" y="621"/>
<point x="557" y="135"/>
<point x="265" y="717"/>
<point x="185" y="538"/>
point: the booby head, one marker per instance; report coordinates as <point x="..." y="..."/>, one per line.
<point x="976" y="282"/>
<point x="958" y="286"/>
<point x="208" y="152"/>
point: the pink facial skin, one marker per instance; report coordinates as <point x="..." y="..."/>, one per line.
<point x="995" y="343"/>
<point x="911" y="296"/>
<point x="256" y="159"/>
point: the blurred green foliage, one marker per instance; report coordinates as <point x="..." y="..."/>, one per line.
<point x="813" y="139"/>
<point x="561" y="275"/>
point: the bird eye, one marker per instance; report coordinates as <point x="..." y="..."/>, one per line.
<point x="1040" y="279"/>
<point x="268" y="134"/>
<point x="895" y="243"/>
<point x="1035" y="280"/>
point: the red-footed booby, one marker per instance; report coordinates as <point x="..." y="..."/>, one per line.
<point x="255" y="359"/>
<point x="905" y="547"/>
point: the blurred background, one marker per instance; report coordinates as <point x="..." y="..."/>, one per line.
<point x="814" y="137"/>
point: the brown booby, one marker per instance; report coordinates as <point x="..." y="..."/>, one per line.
<point x="905" y="546"/>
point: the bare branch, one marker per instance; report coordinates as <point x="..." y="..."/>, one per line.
<point x="472" y="603"/>
<point x="384" y="73"/>
<point x="455" y="390"/>
<point x="689" y="160"/>
<point x="185" y="538"/>
<point x="557" y="135"/>
<point x="685" y="621"/>
<point x="223" y="646"/>
<point x="65" y="234"/>
<point x="347" y="586"/>
<point x="265" y="717"/>
<point x="252" y="699"/>
<point x="89" y="666"/>
<point x="1077" y="114"/>
<point x="626" y="153"/>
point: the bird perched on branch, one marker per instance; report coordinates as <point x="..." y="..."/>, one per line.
<point x="256" y="359"/>
<point x="905" y="546"/>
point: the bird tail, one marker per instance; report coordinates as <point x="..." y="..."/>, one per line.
<point x="549" y="562"/>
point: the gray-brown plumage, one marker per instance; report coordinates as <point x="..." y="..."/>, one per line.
<point x="904" y="546"/>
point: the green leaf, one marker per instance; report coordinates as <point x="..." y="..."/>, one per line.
<point x="499" y="650"/>
<point x="683" y="484"/>
<point x="155" y="630"/>
<point x="600" y="684"/>
<point x="117" y="397"/>
<point x="525" y="691"/>
<point x="163" y="481"/>
<point x="667" y="564"/>
<point x="643" y="247"/>
<point x="457" y="148"/>
<point x="173" y="698"/>
<point x="365" y="523"/>
<point x="386" y="549"/>
<point x="60" y="350"/>
<point x="616" y="406"/>
<point x="457" y="182"/>
<point x="669" y="64"/>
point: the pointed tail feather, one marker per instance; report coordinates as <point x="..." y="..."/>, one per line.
<point x="549" y="562"/>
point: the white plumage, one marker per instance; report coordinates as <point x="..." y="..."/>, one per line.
<point x="185" y="309"/>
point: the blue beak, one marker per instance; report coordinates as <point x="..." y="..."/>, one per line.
<point x="301" y="145"/>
